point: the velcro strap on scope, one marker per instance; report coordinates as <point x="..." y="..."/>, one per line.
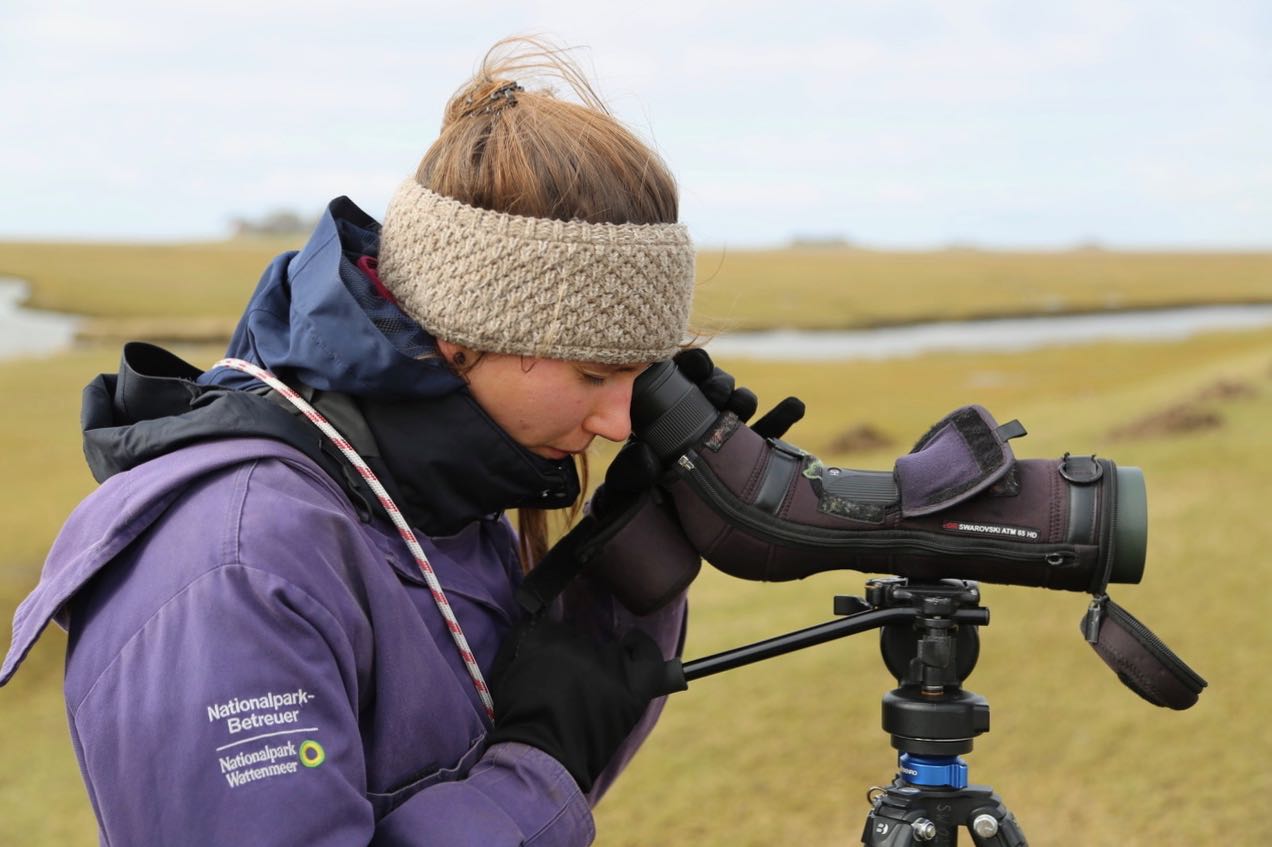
<point x="962" y="455"/>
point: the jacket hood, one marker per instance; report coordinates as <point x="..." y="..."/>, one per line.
<point x="443" y="460"/>
<point x="319" y="323"/>
<point x="316" y="319"/>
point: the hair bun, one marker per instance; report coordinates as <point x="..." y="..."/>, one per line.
<point x="527" y="135"/>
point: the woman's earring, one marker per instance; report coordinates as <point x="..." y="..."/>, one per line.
<point x="459" y="359"/>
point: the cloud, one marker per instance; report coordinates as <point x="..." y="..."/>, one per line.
<point x="907" y="120"/>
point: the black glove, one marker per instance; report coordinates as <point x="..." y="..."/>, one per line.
<point x="629" y="476"/>
<point x="633" y="472"/>
<point x="573" y="698"/>
<point x="637" y="468"/>
<point x="719" y="388"/>
<point x="629" y="540"/>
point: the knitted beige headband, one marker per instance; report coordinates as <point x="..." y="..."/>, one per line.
<point x="500" y="283"/>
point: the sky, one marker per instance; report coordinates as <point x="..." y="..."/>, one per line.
<point x="912" y="124"/>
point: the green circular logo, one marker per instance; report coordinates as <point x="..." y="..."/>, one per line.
<point x="311" y="754"/>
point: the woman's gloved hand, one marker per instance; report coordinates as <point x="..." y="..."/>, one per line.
<point x="629" y="540"/>
<point x="574" y="698"/>
<point x="633" y="472"/>
<point x="720" y="389"/>
<point x="636" y="468"/>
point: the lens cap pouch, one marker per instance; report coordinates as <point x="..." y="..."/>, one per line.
<point x="1138" y="657"/>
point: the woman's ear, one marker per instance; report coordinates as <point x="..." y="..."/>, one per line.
<point x="456" y="356"/>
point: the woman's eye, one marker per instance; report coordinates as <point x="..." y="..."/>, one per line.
<point x="592" y="379"/>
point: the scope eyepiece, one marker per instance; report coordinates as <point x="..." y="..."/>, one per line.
<point x="669" y="413"/>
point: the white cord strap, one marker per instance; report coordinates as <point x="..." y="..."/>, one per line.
<point x="443" y="605"/>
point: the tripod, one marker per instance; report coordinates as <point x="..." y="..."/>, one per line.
<point x="930" y="644"/>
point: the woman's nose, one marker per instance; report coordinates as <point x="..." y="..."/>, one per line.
<point x="611" y="418"/>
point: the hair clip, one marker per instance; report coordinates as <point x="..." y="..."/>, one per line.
<point x="506" y="92"/>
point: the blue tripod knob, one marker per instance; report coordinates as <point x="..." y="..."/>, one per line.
<point x="933" y="771"/>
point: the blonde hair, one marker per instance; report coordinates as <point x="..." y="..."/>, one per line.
<point x="509" y="144"/>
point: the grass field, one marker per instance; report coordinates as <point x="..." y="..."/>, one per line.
<point x="783" y="752"/>
<point x="143" y="285"/>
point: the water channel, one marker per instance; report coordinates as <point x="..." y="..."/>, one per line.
<point x="32" y="332"/>
<point x="26" y="332"/>
<point x="995" y="334"/>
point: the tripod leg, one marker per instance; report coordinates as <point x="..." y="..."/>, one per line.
<point x="898" y="819"/>
<point x="885" y="831"/>
<point x="905" y="816"/>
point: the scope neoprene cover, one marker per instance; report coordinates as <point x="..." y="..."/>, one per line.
<point x="958" y="505"/>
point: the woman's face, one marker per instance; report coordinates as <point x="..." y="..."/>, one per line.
<point x="552" y="407"/>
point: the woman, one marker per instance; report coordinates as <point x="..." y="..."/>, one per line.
<point x="258" y="654"/>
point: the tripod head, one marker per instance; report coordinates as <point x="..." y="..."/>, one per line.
<point x="933" y="651"/>
<point x="929" y="638"/>
<point x="929" y="714"/>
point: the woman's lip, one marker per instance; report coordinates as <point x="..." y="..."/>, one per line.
<point x="558" y="454"/>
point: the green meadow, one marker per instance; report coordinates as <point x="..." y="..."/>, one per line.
<point x="194" y="291"/>
<point x="783" y="752"/>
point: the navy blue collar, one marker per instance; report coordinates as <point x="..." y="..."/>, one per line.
<point x="312" y="320"/>
<point x="442" y="459"/>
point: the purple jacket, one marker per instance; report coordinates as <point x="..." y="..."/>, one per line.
<point x="251" y="663"/>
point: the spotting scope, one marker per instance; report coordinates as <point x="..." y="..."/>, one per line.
<point x="959" y="505"/>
